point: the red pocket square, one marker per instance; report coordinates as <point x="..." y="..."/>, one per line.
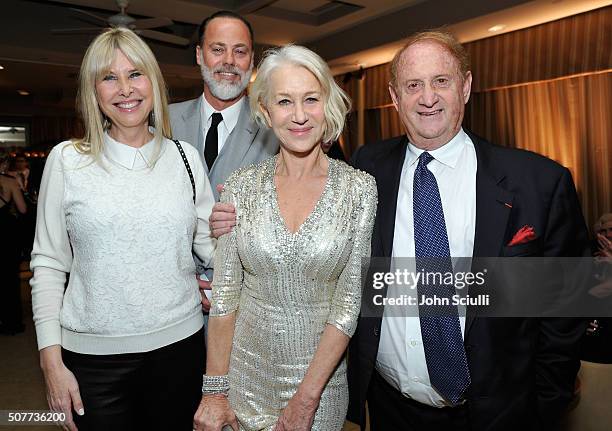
<point x="524" y="234"/>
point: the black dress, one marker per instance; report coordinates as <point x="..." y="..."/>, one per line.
<point x="10" y="292"/>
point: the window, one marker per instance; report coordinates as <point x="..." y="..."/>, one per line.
<point x="13" y="136"/>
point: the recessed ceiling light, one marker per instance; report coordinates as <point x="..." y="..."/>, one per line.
<point x="497" y="27"/>
<point x="23" y="92"/>
<point x="1" y="67"/>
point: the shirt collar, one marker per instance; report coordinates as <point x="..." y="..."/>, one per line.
<point x="129" y="157"/>
<point x="230" y="114"/>
<point x="448" y="154"/>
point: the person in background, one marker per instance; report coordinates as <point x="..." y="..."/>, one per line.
<point x="120" y="211"/>
<point x="219" y="122"/>
<point x="603" y="236"/>
<point x="597" y="343"/>
<point x="286" y="292"/>
<point x="12" y="203"/>
<point x="19" y="168"/>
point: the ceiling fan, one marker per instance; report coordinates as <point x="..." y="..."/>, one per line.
<point x="122" y="19"/>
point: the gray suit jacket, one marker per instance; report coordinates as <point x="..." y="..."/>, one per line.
<point x="247" y="144"/>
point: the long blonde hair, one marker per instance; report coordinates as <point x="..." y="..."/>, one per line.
<point x="96" y="64"/>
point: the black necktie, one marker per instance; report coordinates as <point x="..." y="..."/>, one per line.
<point x="211" y="146"/>
<point x="440" y="328"/>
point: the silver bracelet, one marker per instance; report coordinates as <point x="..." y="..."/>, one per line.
<point x="212" y="385"/>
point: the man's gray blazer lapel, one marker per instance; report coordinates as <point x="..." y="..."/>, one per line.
<point x="248" y="143"/>
<point x="186" y="119"/>
<point x="235" y="149"/>
<point x="192" y="127"/>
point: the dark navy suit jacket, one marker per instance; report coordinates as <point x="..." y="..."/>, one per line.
<point x="523" y="370"/>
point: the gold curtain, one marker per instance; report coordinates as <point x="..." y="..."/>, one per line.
<point x="382" y="123"/>
<point x="350" y="85"/>
<point x="566" y="119"/>
<point x="377" y="86"/>
<point x="569" y="46"/>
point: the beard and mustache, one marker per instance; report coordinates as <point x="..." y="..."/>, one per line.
<point x="224" y="89"/>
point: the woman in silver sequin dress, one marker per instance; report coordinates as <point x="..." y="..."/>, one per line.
<point x="286" y="291"/>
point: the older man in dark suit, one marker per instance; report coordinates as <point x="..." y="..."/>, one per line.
<point x="445" y="192"/>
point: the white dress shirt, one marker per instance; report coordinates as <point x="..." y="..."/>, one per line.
<point x="401" y="357"/>
<point x="225" y="127"/>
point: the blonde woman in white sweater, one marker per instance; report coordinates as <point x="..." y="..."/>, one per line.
<point x="120" y="210"/>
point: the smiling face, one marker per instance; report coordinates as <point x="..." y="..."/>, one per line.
<point x="225" y="59"/>
<point x="294" y="108"/>
<point x="125" y="96"/>
<point x="430" y="94"/>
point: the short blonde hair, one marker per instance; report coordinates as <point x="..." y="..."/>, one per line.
<point x="443" y="38"/>
<point x="336" y="103"/>
<point x="96" y="63"/>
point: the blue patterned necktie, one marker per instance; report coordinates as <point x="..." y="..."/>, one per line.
<point x="440" y="328"/>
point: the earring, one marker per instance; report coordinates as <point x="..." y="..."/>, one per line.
<point x="152" y="119"/>
<point x="105" y="122"/>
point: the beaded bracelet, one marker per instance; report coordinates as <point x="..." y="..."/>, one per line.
<point x="212" y="385"/>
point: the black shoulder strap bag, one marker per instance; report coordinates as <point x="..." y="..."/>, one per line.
<point x="186" y="162"/>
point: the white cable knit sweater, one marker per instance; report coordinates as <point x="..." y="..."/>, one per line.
<point x="125" y="233"/>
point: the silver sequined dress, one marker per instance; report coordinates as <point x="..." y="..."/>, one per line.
<point x="287" y="286"/>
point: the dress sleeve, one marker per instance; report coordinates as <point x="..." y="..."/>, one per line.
<point x="228" y="275"/>
<point x="51" y="253"/>
<point x="346" y="300"/>
<point x="203" y="243"/>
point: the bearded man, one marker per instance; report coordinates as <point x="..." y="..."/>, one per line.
<point x="219" y="123"/>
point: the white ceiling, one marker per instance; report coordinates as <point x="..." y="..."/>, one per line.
<point x="46" y="64"/>
<point x="268" y="30"/>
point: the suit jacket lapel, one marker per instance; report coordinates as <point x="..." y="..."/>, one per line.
<point x="192" y="118"/>
<point x="493" y="206"/>
<point x="238" y="142"/>
<point x="389" y="167"/>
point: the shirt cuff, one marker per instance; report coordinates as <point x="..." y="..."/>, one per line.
<point x="48" y="333"/>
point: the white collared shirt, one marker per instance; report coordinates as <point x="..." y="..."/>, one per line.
<point x="129" y="157"/>
<point x="225" y="127"/>
<point x="401" y="358"/>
